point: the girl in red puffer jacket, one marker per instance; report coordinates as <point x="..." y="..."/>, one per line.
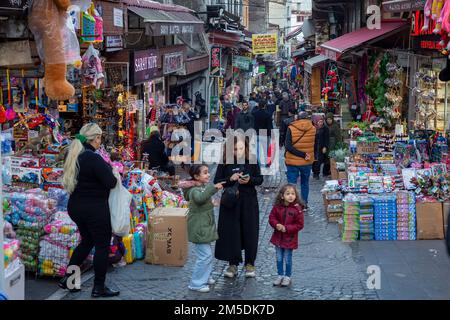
<point x="287" y="220"/>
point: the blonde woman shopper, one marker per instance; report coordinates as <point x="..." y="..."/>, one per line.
<point x="88" y="179"/>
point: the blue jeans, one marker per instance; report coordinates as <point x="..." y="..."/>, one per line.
<point x="284" y="256"/>
<point x="203" y="266"/>
<point x="304" y="172"/>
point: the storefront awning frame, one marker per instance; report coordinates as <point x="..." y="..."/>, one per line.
<point x="164" y="23"/>
<point x="311" y="62"/>
<point x="335" y="48"/>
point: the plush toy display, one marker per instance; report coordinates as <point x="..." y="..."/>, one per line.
<point x="48" y="21"/>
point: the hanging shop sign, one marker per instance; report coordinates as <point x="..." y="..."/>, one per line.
<point x="113" y="43"/>
<point x="261" y="69"/>
<point x="264" y="43"/>
<point x="173" y="62"/>
<point x="145" y="66"/>
<point x="403" y="5"/>
<point x="169" y="29"/>
<point x="423" y="39"/>
<point x="118" y="17"/>
<point x="243" y="63"/>
<point x="215" y="63"/>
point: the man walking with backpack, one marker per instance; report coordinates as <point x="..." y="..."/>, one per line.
<point x="299" y="156"/>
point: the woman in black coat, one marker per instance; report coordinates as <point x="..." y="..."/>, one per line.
<point x="321" y="149"/>
<point x="238" y="226"/>
<point x="88" y="179"/>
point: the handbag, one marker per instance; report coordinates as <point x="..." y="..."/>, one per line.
<point x="230" y="196"/>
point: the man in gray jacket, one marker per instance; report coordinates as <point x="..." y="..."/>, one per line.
<point x="245" y="120"/>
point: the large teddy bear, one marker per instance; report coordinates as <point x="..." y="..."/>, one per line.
<point x="47" y="21"/>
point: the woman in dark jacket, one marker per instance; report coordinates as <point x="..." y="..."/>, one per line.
<point x="88" y="179"/>
<point x="321" y="148"/>
<point x="238" y="225"/>
<point x="156" y="151"/>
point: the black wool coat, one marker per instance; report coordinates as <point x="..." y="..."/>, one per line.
<point x="89" y="201"/>
<point x="238" y="227"/>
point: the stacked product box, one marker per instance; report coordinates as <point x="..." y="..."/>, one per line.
<point x="351" y="218"/>
<point x="385" y="216"/>
<point x="366" y="219"/>
<point x="406" y="215"/>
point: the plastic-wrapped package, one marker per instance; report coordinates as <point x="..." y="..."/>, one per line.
<point x="11" y="249"/>
<point x="55" y="36"/>
<point x="56" y="246"/>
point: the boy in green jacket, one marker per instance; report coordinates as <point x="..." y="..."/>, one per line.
<point x="201" y="224"/>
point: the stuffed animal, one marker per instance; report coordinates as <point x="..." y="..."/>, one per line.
<point x="47" y="20"/>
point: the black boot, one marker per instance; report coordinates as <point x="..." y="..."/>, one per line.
<point x="100" y="291"/>
<point x="63" y="284"/>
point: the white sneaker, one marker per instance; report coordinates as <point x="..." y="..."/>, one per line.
<point x="211" y="281"/>
<point x="231" y="271"/>
<point x="286" y="282"/>
<point x="202" y="290"/>
<point x="250" y="271"/>
<point x="278" y="281"/>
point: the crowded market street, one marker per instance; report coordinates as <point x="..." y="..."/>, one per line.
<point x="327" y="268"/>
<point x="224" y="150"/>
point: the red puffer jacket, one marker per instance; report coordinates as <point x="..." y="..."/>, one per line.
<point x="292" y="218"/>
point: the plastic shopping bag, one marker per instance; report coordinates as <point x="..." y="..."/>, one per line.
<point x="119" y="206"/>
<point x="271" y="153"/>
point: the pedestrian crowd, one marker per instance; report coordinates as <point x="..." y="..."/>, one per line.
<point x="307" y="142"/>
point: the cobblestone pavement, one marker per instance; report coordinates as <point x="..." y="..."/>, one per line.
<point x="323" y="266"/>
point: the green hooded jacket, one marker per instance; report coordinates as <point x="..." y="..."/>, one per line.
<point x="201" y="222"/>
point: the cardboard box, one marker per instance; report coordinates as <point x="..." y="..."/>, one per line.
<point x="26" y="175"/>
<point x="342" y="175"/>
<point x="167" y="239"/>
<point x="430" y="223"/>
<point x="445" y="213"/>
<point x="53" y="175"/>
<point x="333" y="169"/>
<point x="27" y="162"/>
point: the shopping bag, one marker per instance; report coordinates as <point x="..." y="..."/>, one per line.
<point x="119" y="206"/>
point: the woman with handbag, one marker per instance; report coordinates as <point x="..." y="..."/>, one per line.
<point x="88" y="179"/>
<point x="238" y="225"/>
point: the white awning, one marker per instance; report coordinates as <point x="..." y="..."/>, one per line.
<point x="310" y="63"/>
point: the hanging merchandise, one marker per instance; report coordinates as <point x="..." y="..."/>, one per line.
<point x="331" y="92"/>
<point x="426" y="97"/>
<point x="87" y="27"/>
<point x="92" y="69"/>
<point x="393" y="97"/>
<point x="50" y="28"/>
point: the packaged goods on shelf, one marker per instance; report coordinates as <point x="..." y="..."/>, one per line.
<point x="351" y="218"/>
<point x="366" y="226"/>
<point x="385" y="217"/>
<point x="406" y="216"/>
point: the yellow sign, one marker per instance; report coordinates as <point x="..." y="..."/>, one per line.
<point x="264" y="43"/>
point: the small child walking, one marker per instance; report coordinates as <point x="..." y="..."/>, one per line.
<point x="287" y="219"/>
<point x="202" y="229"/>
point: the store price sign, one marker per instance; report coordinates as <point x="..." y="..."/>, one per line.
<point x="145" y="66"/>
<point x="215" y="62"/>
<point x="173" y="62"/>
